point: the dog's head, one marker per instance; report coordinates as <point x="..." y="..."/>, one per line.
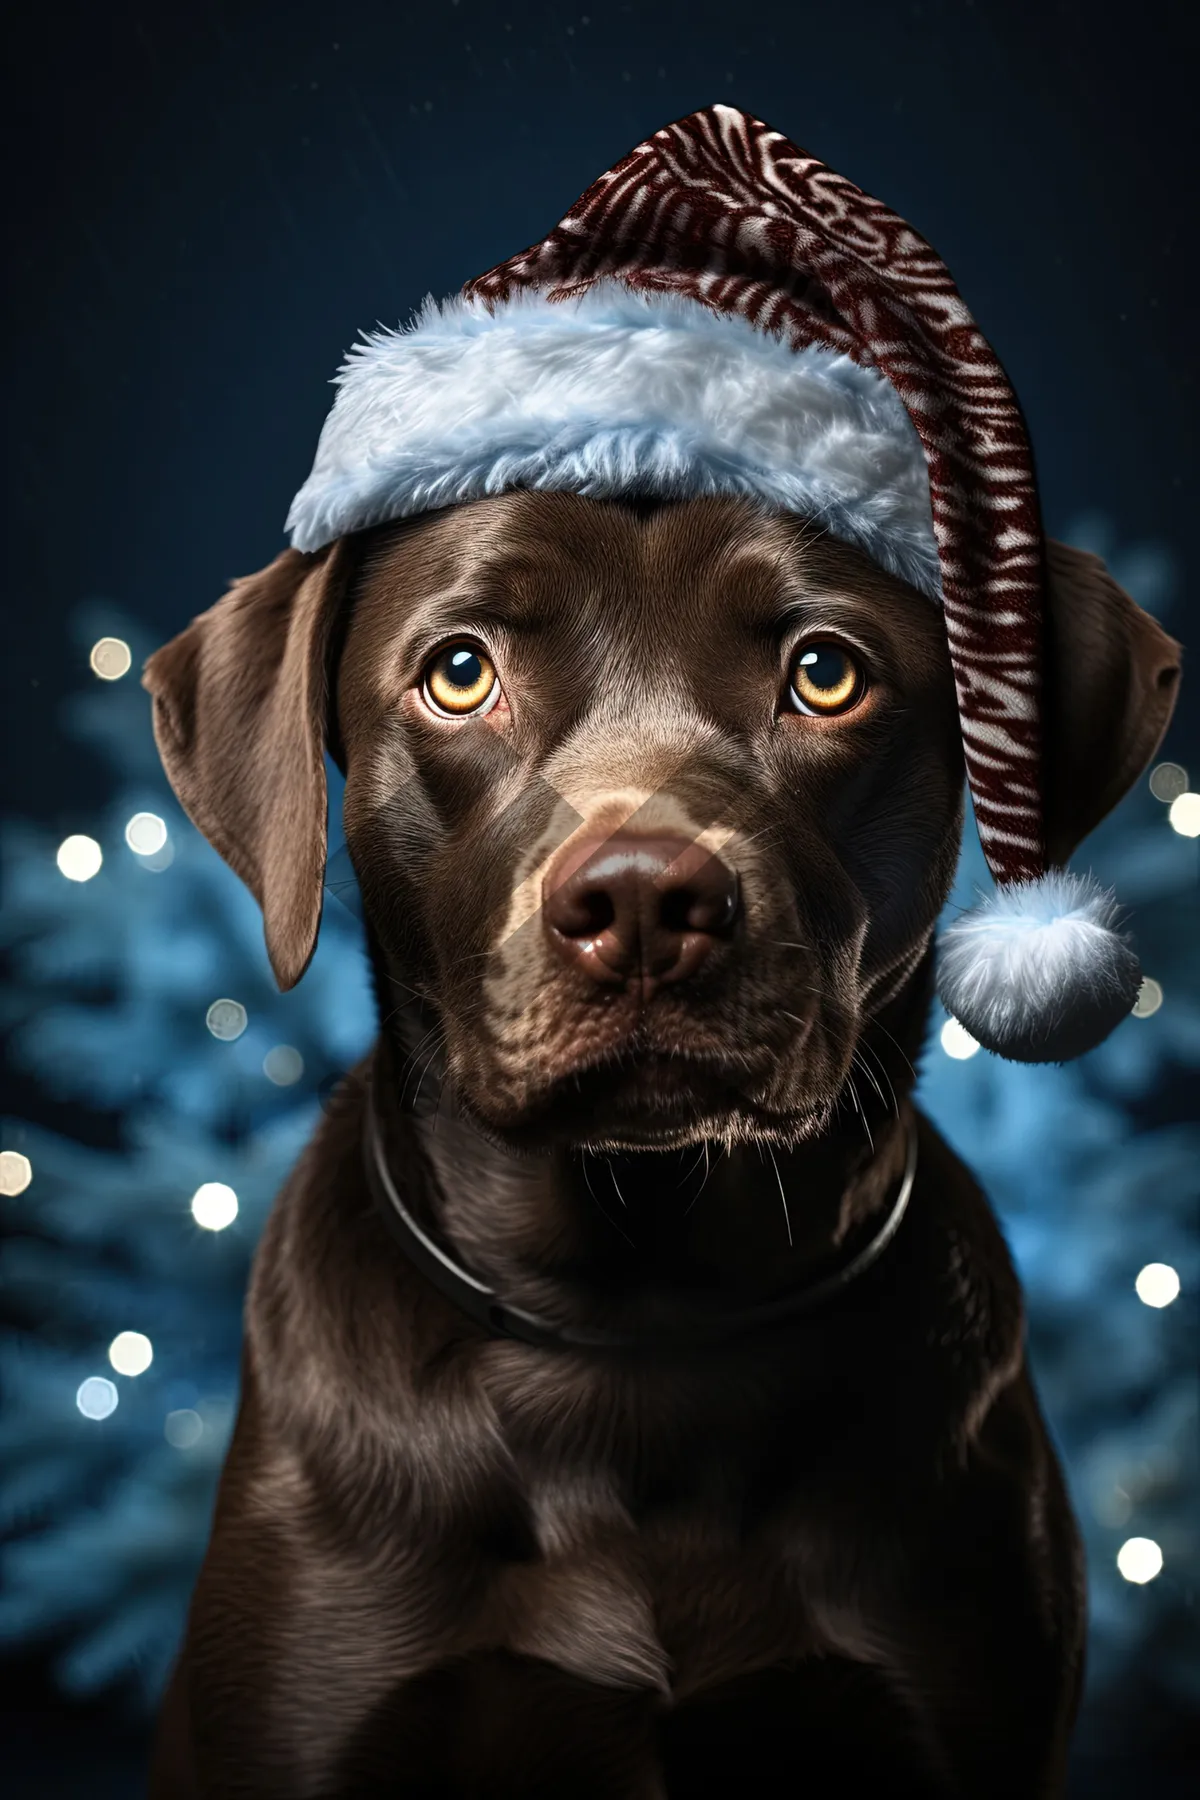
<point x="653" y="806"/>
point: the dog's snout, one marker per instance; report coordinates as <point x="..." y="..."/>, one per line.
<point x="630" y="909"/>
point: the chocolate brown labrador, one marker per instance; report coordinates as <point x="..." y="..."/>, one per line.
<point x="653" y="809"/>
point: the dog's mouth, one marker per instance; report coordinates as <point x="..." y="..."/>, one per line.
<point x="649" y="1081"/>
<point x="637" y="1097"/>
<point x="643" y="1094"/>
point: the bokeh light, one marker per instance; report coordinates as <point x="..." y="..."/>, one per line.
<point x="97" y="1397"/>
<point x="957" y="1041"/>
<point x="131" y="1353"/>
<point x="157" y="860"/>
<point x="226" y="1019"/>
<point x="283" y="1065"/>
<point x="16" y="1172"/>
<point x="1139" y="1559"/>
<point x="183" y="1428"/>
<point x="79" y="858"/>
<point x="1167" y="781"/>
<point x="146" y="833"/>
<point x="214" y="1205"/>
<point x="1157" y="1284"/>
<point x="1150" y="998"/>
<point x="110" y="658"/>
<point x="1185" y="815"/>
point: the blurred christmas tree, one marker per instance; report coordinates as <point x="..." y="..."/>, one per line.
<point x="1094" y="1169"/>
<point x="144" y="988"/>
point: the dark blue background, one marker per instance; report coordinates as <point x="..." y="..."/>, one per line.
<point x="206" y="204"/>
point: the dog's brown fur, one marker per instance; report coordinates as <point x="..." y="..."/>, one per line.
<point x="443" y="1564"/>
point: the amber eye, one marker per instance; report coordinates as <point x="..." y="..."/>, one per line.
<point x="461" y="679"/>
<point x="825" y="679"/>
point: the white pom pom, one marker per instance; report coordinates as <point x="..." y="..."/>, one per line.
<point x="1038" y="972"/>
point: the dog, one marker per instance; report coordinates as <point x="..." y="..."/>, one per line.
<point x="653" y="807"/>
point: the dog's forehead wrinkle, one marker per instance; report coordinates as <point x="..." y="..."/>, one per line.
<point x="749" y="569"/>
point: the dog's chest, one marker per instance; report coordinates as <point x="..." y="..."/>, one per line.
<point x="676" y="1599"/>
<point x="724" y="1603"/>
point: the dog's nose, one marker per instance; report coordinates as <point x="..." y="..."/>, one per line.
<point x="629" y="909"/>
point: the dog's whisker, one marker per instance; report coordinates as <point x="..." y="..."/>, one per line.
<point x="876" y="1026"/>
<point x="857" y="1062"/>
<point x="603" y="1210"/>
<point x="617" y="1186"/>
<point x="437" y="1104"/>
<point x="430" y="1060"/>
<point x="753" y="837"/>
<point x="843" y="1037"/>
<point x="416" y="993"/>
<point x="411" y="1058"/>
<point x="786" y="1214"/>
<point x="387" y="1018"/>
<point x="703" y="1184"/>
<point x="869" y="1050"/>
<point x="443" y="1086"/>
<point x="588" y="1180"/>
<point x="861" y="1113"/>
<point x="437" y="1025"/>
<point x="688" y="1176"/>
<point x="435" y="1031"/>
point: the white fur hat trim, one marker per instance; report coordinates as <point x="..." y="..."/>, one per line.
<point x="616" y="392"/>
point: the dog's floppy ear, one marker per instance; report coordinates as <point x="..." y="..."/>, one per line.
<point x="240" y="720"/>
<point x="1112" y="675"/>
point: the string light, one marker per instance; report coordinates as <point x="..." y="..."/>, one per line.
<point x="110" y="658"/>
<point x="214" y="1205"/>
<point x="146" y="834"/>
<point x="1139" y="1560"/>
<point x="226" y="1019"/>
<point x="957" y="1041"/>
<point x="1150" y="998"/>
<point x="79" y="858"/>
<point x="130" y="1353"/>
<point x="1184" y="815"/>
<point x="16" y="1173"/>
<point x="183" y="1428"/>
<point x="283" y="1065"/>
<point x="1168" y="781"/>
<point x="1157" y="1284"/>
<point x="97" y="1397"/>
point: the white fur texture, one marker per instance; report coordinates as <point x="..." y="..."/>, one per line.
<point x="1038" y="971"/>
<point x="616" y="392"/>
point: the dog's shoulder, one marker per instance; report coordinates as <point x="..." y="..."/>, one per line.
<point x="956" y="1297"/>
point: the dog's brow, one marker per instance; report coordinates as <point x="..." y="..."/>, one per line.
<point x="761" y="582"/>
<point x="482" y="603"/>
<point x="822" y="610"/>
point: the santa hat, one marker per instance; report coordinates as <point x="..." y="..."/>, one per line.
<point x="722" y="314"/>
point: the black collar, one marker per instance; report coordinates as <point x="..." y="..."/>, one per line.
<point x="480" y="1302"/>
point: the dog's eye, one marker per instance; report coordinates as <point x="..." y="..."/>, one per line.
<point x="825" y="679"/>
<point x="460" y="679"/>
